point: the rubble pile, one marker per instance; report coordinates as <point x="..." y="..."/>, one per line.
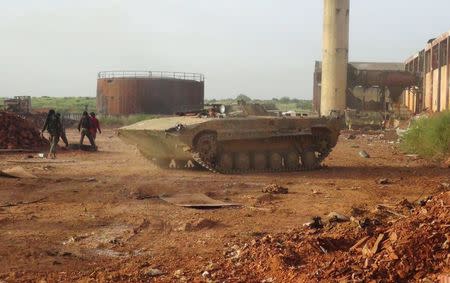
<point x="18" y="133"/>
<point x="38" y="120"/>
<point x="446" y="163"/>
<point x="275" y="189"/>
<point x="399" y="248"/>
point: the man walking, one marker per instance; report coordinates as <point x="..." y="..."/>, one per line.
<point x="84" y="126"/>
<point x="95" y="126"/>
<point x="63" y="131"/>
<point x="53" y="127"/>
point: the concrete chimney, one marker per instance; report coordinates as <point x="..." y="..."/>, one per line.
<point x="335" y="56"/>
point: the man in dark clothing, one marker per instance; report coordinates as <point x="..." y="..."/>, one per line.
<point x="95" y="126"/>
<point x="83" y="126"/>
<point x="63" y="131"/>
<point x="53" y="127"/>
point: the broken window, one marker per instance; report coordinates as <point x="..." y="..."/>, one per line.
<point x="428" y="61"/>
<point x="443" y="53"/>
<point x="435" y="57"/>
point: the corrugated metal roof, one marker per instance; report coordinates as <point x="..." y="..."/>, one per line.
<point x="378" y="66"/>
<point x="371" y="66"/>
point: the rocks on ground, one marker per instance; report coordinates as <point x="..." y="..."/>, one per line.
<point x="153" y="272"/>
<point x="199" y="224"/>
<point x="337" y="217"/>
<point x="364" y="154"/>
<point x="315" y="223"/>
<point x="383" y="181"/>
<point x="445" y="186"/>
<point x="446" y="164"/>
<point x="275" y="189"/>
<point x="265" y="199"/>
<point x="413" y="247"/>
<point x="143" y="192"/>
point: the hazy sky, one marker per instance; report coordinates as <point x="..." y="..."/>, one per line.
<point x="261" y="48"/>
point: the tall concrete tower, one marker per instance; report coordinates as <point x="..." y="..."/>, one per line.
<point x="335" y="55"/>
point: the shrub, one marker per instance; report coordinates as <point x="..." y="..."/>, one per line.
<point x="429" y="137"/>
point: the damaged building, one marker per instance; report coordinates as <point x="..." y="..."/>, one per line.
<point x="431" y="66"/>
<point x="371" y="86"/>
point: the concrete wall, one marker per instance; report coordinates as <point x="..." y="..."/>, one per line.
<point x="408" y="99"/>
<point x="435" y="95"/>
<point x="428" y="92"/>
<point x="444" y="87"/>
<point x="370" y="99"/>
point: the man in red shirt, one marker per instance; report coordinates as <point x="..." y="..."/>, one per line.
<point x="95" y="126"/>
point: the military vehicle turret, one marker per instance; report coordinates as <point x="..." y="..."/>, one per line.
<point x="238" y="142"/>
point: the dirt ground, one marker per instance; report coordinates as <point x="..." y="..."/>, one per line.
<point x="97" y="217"/>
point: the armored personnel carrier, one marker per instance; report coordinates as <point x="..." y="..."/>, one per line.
<point x="235" y="143"/>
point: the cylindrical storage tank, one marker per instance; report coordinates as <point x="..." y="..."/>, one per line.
<point x="149" y="92"/>
<point x="335" y="55"/>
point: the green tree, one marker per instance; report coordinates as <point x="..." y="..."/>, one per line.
<point x="285" y="100"/>
<point x="304" y="104"/>
<point x="243" y="97"/>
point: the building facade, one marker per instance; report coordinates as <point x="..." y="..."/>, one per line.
<point x="431" y="65"/>
<point x="371" y="86"/>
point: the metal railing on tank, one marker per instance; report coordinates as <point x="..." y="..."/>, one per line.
<point x="151" y="74"/>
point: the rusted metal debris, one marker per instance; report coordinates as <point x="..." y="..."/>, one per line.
<point x="195" y="200"/>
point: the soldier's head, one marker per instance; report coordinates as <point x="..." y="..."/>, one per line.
<point x="92" y="114"/>
<point x="85" y="113"/>
<point x="51" y="112"/>
<point x="58" y="115"/>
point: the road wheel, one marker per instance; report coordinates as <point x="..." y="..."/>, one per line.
<point x="226" y="162"/>
<point x="189" y="164"/>
<point x="292" y="160"/>
<point x="162" y="162"/>
<point x="174" y="164"/>
<point x="206" y="147"/>
<point x="276" y="161"/>
<point x="260" y="161"/>
<point x="243" y="161"/>
<point x="309" y="159"/>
